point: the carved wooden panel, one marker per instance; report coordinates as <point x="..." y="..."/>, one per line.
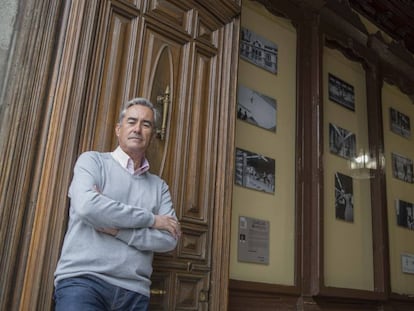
<point x="176" y="13"/>
<point x="201" y="140"/>
<point x="193" y="244"/>
<point x="192" y="293"/>
<point x="161" y="97"/>
<point x="205" y="32"/>
<point x="168" y="55"/>
<point x="116" y="57"/>
<point x="162" y="60"/>
<point x="179" y="291"/>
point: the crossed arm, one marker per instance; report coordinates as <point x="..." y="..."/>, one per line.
<point x="136" y="226"/>
<point x="161" y="222"/>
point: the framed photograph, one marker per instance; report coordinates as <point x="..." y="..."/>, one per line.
<point x="407" y="263"/>
<point x="405" y="214"/>
<point x="253" y="243"/>
<point x="400" y="123"/>
<point x="258" y="50"/>
<point x="402" y="168"/>
<point x="256" y="108"/>
<point x="254" y="171"/>
<point x="341" y="92"/>
<point x="342" y="142"/>
<point x="344" y="197"/>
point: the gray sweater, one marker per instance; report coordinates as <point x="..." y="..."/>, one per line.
<point x="105" y="195"/>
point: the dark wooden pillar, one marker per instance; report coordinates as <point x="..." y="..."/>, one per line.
<point x="380" y="242"/>
<point x="310" y="142"/>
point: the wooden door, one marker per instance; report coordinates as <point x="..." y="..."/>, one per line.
<point x="181" y="56"/>
<point x="104" y="53"/>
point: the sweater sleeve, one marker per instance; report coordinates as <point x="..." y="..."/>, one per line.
<point x="97" y="209"/>
<point x="149" y="239"/>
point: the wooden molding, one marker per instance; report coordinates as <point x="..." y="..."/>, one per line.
<point x="67" y="86"/>
<point x="225" y="164"/>
<point x="23" y="137"/>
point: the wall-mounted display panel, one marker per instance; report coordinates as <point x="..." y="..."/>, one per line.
<point x="348" y="255"/>
<point x="398" y="110"/>
<point x="271" y="99"/>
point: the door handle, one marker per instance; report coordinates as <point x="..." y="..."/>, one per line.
<point x="164" y="101"/>
<point x="156" y="291"/>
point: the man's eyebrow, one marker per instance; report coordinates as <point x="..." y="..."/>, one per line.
<point x="147" y="121"/>
<point x="136" y="120"/>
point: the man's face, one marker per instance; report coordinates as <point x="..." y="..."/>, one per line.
<point x="135" y="130"/>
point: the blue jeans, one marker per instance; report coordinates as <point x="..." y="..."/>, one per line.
<point x="89" y="293"/>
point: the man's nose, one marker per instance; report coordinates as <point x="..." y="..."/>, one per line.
<point x="138" y="127"/>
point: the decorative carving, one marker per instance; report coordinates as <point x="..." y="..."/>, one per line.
<point x="398" y="63"/>
<point x="400" y="50"/>
<point x="393" y="16"/>
<point x="343" y="8"/>
<point x="206" y="33"/>
<point x="193" y="244"/>
<point x="190" y="292"/>
<point x="177" y="14"/>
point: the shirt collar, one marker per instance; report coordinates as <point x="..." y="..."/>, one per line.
<point x="127" y="163"/>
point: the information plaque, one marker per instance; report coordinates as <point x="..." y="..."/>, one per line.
<point x="407" y="262"/>
<point x="253" y="243"/>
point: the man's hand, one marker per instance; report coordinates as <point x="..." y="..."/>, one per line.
<point x="169" y="223"/>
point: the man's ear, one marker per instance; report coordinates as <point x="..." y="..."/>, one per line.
<point x="117" y="126"/>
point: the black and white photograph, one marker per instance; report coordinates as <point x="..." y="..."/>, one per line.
<point x="402" y="168"/>
<point x="341" y="92"/>
<point x="400" y="123"/>
<point x="405" y="214"/>
<point x="342" y="142"/>
<point x="256" y="108"/>
<point x="344" y="197"/>
<point x="258" y="50"/>
<point x="254" y="171"/>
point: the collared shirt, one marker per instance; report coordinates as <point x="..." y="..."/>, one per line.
<point x="127" y="163"/>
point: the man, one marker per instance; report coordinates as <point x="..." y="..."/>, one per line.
<point x="119" y="215"/>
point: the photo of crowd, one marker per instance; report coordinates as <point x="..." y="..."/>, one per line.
<point x="254" y="171"/>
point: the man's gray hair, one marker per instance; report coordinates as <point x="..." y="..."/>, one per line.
<point x="138" y="101"/>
